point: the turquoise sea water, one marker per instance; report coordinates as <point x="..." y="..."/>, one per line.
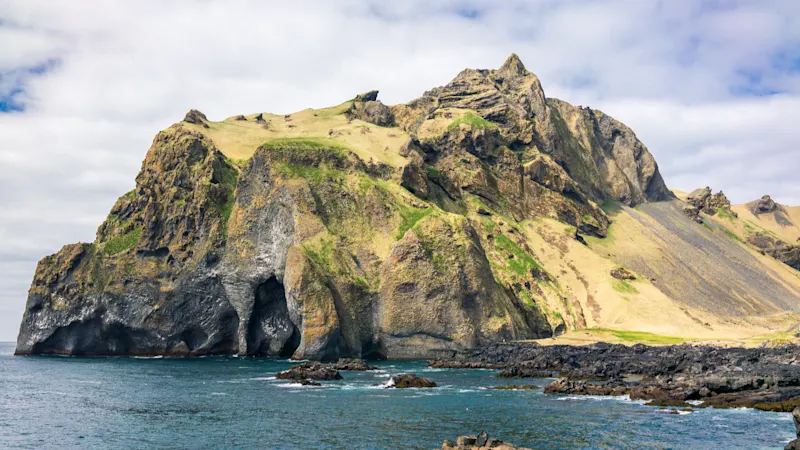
<point x="57" y="402"/>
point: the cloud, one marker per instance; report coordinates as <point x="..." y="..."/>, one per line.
<point x="711" y="87"/>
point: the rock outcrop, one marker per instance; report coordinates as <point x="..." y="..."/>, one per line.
<point x="368" y="108"/>
<point x="762" y="378"/>
<point x="764" y="205"/>
<point x="410" y="380"/>
<point x="704" y="201"/>
<point x="310" y="371"/>
<point x="478" y="442"/>
<point x="786" y="253"/>
<point x="313" y="250"/>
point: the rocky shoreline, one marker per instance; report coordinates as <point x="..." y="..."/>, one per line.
<point x="679" y="376"/>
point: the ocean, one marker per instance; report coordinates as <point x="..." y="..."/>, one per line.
<point x="228" y="402"/>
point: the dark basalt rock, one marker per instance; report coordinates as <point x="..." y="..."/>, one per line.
<point x="310" y="371"/>
<point x="621" y="273"/>
<point x="410" y="380"/>
<point x="240" y="117"/>
<point x="763" y="378"/>
<point x="783" y="252"/>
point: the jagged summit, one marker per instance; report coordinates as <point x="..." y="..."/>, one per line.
<point x="512" y="67"/>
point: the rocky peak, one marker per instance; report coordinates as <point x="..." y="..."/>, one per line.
<point x="763" y="205"/>
<point x="512" y="67"/>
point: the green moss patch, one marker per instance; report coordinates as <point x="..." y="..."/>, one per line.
<point x="471" y="119"/>
<point x="641" y="337"/>
<point x="409" y="216"/>
<point x="119" y="244"/>
<point x="314" y="175"/>
<point x="520" y="262"/>
<point x="302" y="144"/>
<point x="624" y="287"/>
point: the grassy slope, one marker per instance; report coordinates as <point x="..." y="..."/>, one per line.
<point x="768" y="223"/>
<point x="239" y="139"/>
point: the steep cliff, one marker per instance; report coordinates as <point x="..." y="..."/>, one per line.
<point x="406" y="231"/>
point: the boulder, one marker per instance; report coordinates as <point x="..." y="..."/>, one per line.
<point x="410" y="380"/>
<point x="621" y="273"/>
<point x="196" y="117"/>
<point x="240" y="117"/>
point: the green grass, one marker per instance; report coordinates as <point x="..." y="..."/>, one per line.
<point x="725" y="214"/>
<point x="240" y="163"/>
<point x="641" y="336"/>
<point x="624" y="287"/>
<point x="302" y="144"/>
<point x="119" y="244"/>
<point x="360" y="282"/>
<point x="471" y="119"/>
<point x="731" y="235"/>
<point x="522" y="262"/>
<point x="314" y="175"/>
<point x="409" y="216"/>
<point x="432" y="171"/>
<point x="228" y="179"/>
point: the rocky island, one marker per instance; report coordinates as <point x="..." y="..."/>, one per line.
<point x="481" y="212"/>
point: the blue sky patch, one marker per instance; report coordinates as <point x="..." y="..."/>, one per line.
<point x="13" y="82"/>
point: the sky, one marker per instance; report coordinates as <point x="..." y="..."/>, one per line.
<point x="711" y="87"/>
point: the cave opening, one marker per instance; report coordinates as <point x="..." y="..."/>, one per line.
<point x="270" y="331"/>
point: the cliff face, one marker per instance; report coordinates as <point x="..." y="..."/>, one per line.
<point x="359" y="230"/>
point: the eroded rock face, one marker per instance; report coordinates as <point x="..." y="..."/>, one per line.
<point x="786" y="253"/>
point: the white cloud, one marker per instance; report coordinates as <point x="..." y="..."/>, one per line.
<point x="678" y="72"/>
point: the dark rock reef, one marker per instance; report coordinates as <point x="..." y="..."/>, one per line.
<point x="762" y="378"/>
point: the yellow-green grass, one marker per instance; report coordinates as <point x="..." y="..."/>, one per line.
<point x="239" y="139"/>
<point x="640" y="337"/>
